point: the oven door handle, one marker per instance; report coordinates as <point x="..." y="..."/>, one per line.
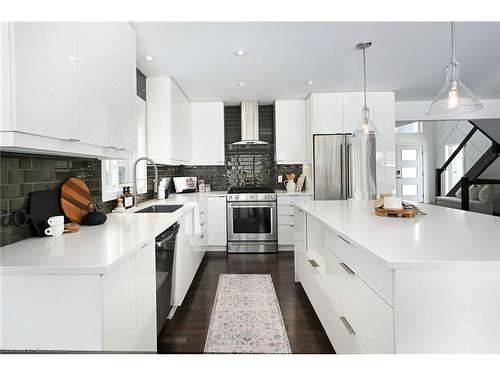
<point x="252" y="205"/>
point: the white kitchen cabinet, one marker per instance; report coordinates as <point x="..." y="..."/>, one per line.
<point x="44" y="78"/>
<point x="181" y="126"/>
<point x="207" y="133"/>
<point x="327" y="113"/>
<point x="290" y="132"/>
<point x="217" y="230"/>
<point x="286" y="218"/>
<point x="169" y="121"/>
<point x="72" y="88"/>
<point x="115" y="311"/>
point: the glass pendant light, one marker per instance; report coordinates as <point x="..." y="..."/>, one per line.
<point x="366" y="126"/>
<point x="454" y="97"/>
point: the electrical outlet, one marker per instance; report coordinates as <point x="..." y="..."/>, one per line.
<point x="280" y="179"/>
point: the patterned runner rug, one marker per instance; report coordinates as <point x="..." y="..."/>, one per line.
<point x="246" y="317"/>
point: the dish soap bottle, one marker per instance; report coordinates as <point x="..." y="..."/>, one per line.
<point x="128" y="198"/>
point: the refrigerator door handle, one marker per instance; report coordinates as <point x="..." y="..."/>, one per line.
<point x="349" y="170"/>
<point x="342" y="172"/>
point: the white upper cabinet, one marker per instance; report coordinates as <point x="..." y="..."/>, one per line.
<point x="181" y="126"/>
<point x="71" y="82"/>
<point x="290" y="132"/>
<point x="327" y="111"/>
<point x="353" y="109"/>
<point x="44" y="73"/>
<point x="169" y="122"/>
<point x="207" y="133"/>
<point x="106" y="57"/>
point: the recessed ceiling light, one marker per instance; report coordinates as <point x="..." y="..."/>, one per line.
<point x="240" y="83"/>
<point x="240" y="52"/>
<point x="309" y="82"/>
<point x="148" y="58"/>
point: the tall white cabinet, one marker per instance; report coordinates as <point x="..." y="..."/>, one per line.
<point x="69" y="88"/>
<point x="169" y="122"/>
<point x="207" y="133"/>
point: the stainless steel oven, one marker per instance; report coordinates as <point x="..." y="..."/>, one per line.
<point x="252" y="222"/>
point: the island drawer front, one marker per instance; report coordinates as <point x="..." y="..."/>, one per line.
<point x="367" y="313"/>
<point x="373" y="273"/>
<point x="313" y="283"/>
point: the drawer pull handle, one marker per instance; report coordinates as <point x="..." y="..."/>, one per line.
<point x="346" y="268"/>
<point x="292" y="225"/>
<point x="202" y="236"/>
<point x="202" y="212"/>
<point x="202" y="224"/>
<point x="143" y="246"/>
<point x="347" y="325"/>
<point x="313" y="263"/>
<point x="343" y="239"/>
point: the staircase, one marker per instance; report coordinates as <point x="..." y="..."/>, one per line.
<point x="485" y="132"/>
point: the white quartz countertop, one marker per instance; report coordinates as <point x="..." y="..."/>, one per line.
<point x="284" y="192"/>
<point x="94" y="249"/>
<point x="444" y="237"/>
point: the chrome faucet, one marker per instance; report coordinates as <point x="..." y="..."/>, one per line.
<point x="155" y="189"/>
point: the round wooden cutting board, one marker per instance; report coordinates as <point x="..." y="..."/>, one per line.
<point x="75" y="198"/>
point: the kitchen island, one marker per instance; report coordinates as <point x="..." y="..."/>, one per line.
<point x="430" y="284"/>
<point x="95" y="290"/>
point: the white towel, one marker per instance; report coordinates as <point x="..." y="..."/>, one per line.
<point x="196" y="220"/>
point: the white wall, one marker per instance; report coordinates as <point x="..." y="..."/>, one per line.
<point x="426" y="138"/>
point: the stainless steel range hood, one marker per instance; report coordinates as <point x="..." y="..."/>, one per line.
<point x="250" y="124"/>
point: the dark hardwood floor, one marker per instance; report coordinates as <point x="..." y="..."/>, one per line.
<point x="186" y="332"/>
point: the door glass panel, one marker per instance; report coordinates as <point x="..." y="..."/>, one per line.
<point x="408" y="154"/>
<point x="409" y="172"/>
<point x="408" y="190"/>
<point x="252" y="220"/>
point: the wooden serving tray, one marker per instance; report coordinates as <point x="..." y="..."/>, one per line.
<point x="403" y="212"/>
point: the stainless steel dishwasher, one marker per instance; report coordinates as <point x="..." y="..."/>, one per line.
<point x="165" y="249"/>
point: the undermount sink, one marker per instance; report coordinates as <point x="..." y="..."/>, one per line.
<point x="164" y="208"/>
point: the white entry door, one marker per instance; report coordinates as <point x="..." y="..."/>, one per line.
<point x="409" y="172"/>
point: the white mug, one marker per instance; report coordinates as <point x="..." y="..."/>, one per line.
<point x="393" y="203"/>
<point x="55" y="220"/>
<point x="55" y="230"/>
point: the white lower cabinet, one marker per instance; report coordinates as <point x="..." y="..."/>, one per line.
<point x="286" y="218"/>
<point x="111" y="312"/>
<point x="355" y="318"/>
<point x="217" y="230"/>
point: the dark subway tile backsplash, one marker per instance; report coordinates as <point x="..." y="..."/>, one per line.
<point x="22" y="174"/>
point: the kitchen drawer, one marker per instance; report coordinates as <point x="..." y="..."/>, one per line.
<point x="285" y="234"/>
<point x="287" y="200"/>
<point x="313" y="281"/>
<point x="368" y="314"/>
<point x="285" y="210"/>
<point x="286" y="220"/>
<point x="373" y="273"/>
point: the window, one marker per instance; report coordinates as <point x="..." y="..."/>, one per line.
<point x="411" y="128"/>
<point x="455" y="170"/>
<point x="118" y="173"/>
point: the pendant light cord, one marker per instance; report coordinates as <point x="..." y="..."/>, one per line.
<point x="453" y="41"/>
<point x="364" y="77"/>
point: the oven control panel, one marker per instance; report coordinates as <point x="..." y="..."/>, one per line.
<point x="260" y="197"/>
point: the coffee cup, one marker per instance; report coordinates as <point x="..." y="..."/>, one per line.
<point x="55" y="230"/>
<point x="55" y="220"/>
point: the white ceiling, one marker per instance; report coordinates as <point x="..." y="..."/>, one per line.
<point x="409" y="58"/>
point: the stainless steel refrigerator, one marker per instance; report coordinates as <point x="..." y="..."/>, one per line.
<point x="344" y="166"/>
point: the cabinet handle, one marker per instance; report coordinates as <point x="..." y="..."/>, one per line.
<point x="347" y="325"/>
<point x="202" y="224"/>
<point x="291" y="205"/>
<point x="143" y="246"/>
<point x="292" y="225"/>
<point x="73" y="140"/>
<point x="313" y="263"/>
<point x="202" y="212"/>
<point x="202" y="236"/>
<point x="343" y="239"/>
<point x="346" y="268"/>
